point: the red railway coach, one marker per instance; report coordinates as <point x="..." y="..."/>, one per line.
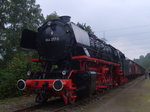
<point x="132" y="69"/>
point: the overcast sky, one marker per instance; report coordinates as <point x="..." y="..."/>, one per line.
<point x="126" y="23"/>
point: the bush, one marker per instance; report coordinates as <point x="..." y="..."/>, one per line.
<point x="16" y="69"/>
<point x="8" y="88"/>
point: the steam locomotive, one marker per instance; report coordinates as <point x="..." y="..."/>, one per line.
<point x="74" y="62"/>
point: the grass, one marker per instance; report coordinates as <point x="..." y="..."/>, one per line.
<point x="15" y="99"/>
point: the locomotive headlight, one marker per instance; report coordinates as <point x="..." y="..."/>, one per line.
<point x="29" y="73"/>
<point x="64" y="72"/>
<point x="21" y="84"/>
<point x="58" y="85"/>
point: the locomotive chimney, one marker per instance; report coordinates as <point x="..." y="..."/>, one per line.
<point x="65" y="18"/>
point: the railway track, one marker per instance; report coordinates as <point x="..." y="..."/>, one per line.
<point x="54" y="105"/>
<point x="57" y="105"/>
<point x="30" y="109"/>
<point x="27" y="109"/>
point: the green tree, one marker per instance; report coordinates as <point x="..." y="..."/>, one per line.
<point x="85" y="27"/>
<point x="52" y="16"/>
<point x="16" y="16"/>
<point x="144" y="61"/>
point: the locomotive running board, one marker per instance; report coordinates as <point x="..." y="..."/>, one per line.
<point x="86" y="58"/>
